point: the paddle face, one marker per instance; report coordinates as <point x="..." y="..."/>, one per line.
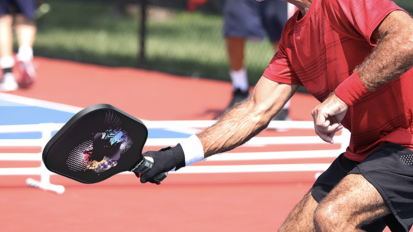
<point x="97" y="143"/>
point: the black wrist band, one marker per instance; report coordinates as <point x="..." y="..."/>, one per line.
<point x="179" y="156"/>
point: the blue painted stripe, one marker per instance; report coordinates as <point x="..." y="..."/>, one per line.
<point x="27" y="135"/>
<point x="20" y="115"/>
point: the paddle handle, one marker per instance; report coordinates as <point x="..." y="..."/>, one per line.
<point x="145" y="165"/>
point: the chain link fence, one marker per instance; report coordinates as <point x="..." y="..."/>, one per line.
<point x="177" y="41"/>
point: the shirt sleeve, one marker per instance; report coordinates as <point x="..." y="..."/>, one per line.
<point x="358" y="18"/>
<point x="280" y="70"/>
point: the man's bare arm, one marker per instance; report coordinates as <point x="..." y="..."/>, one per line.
<point x="248" y="119"/>
<point x="394" y="53"/>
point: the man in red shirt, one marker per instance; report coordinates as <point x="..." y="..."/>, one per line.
<point x="354" y="56"/>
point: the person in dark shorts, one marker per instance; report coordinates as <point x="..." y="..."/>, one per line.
<point x="356" y="58"/>
<point x="249" y="20"/>
<point x="24" y="14"/>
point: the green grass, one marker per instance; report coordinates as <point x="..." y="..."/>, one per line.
<point x="86" y="33"/>
<point x="406" y="4"/>
<point x="182" y="43"/>
<point x="192" y="44"/>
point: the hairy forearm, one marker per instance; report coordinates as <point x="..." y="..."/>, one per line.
<point x="392" y="57"/>
<point x="235" y="128"/>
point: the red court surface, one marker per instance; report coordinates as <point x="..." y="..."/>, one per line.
<point x="183" y="202"/>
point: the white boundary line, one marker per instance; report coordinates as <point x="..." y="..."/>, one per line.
<point x="20" y="157"/>
<point x="257" y="141"/>
<point x="21" y="171"/>
<point x="275" y="155"/>
<point x="208" y="123"/>
<point x="201" y="169"/>
<point x="40" y="103"/>
<point x="243" y="156"/>
<point x="253" y="168"/>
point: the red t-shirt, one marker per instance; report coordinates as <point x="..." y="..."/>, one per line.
<point x="322" y="49"/>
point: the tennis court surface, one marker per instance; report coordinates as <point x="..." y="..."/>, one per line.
<point x="252" y="188"/>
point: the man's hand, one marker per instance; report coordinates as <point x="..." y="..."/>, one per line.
<point x="327" y="117"/>
<point x="165" y="160"/>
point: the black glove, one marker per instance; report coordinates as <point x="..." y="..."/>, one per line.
<point x="164" y="160"/>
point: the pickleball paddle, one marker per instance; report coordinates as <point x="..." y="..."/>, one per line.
<point x="98" y="142"/>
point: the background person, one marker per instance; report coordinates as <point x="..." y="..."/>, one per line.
<point x="249" y="20"/>
<point x="24" y="13"/>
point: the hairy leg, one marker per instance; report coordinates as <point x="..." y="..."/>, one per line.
<point x="235" y="48"/>
<point x="6" y="39"/>
<point x="354" y="202"/>
<point x="301" y="218"/>
<point x="275" y="46"/>
<point x="26" y="30"/>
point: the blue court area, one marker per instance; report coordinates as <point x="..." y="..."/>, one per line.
<point x="18" y="113"/>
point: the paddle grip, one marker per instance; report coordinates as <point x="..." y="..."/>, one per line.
<point x="145" y="165"/>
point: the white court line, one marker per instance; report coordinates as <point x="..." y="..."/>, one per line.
<point x="208" y="123"/>
<point x="202" y="169"/>
<point x="219" y="157"/>
<point x="253" y="168"/>
<point x="259" y="141"/>
<point x="22" y="171"/>
<point x="20" y="157"/>
<point x="254" y="141"/>
<point x="275" y="155"/>
<point x="40" y="103"/>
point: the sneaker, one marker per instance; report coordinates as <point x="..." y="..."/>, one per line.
<point x="8" y="83"/>
<point x="27" y="72"/>
<point x="238" y="96"/>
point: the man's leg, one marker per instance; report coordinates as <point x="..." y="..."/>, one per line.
<point x="330" y="182"/>
<point x="7" y="81"/>
<point x="235" y="48"/>
<point x="6" y="44"/>
<point x="239" y="78"/>
<point x="354" y="202"/>
<point x="241" y="22"/>
<point x="26" y="32"/>
<point x="301" y="218"/>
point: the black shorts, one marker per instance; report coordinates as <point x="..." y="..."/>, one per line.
<point x="390" y="170"/>
<point x="26" y="7"/>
